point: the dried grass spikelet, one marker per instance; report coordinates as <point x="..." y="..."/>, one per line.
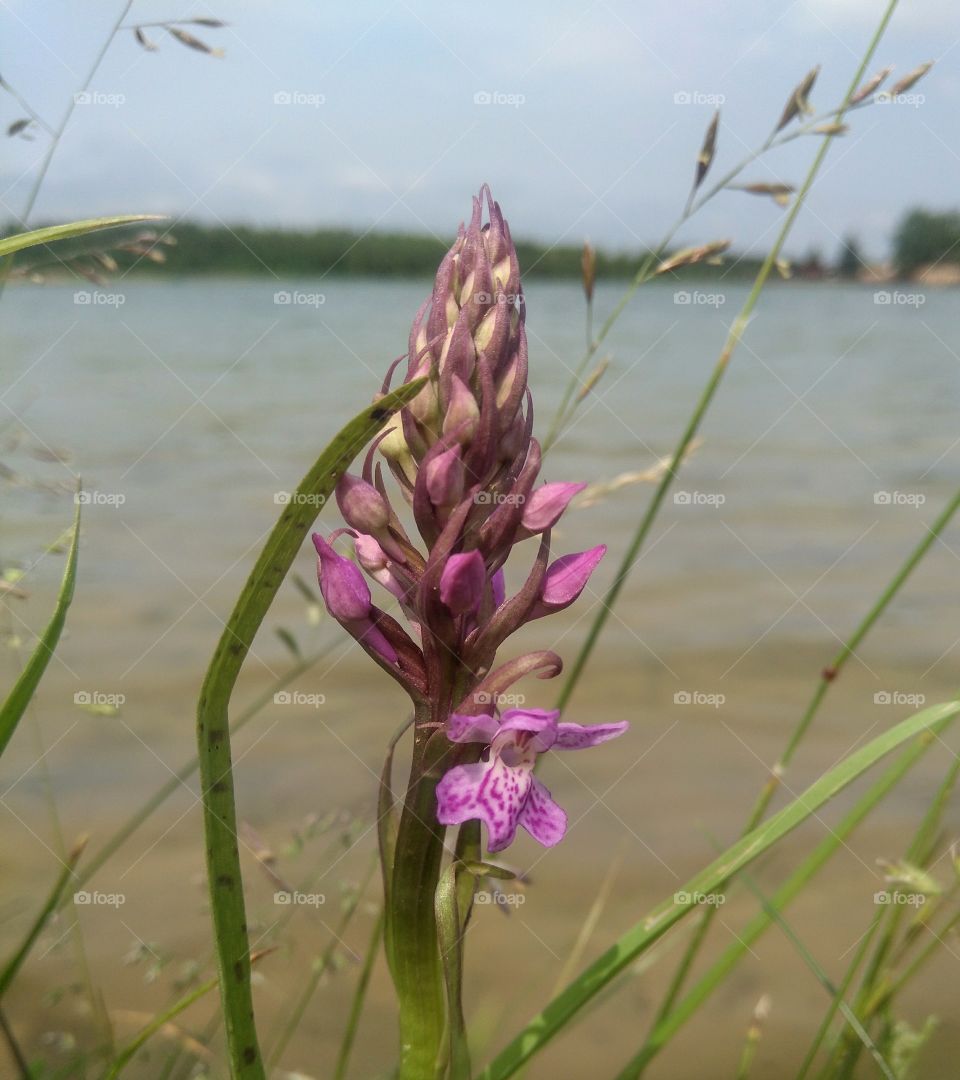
<point x="692" y="255"/>
<point x="707" y="150"/>
<point x="798" y="101"/>
<point x="18" y="127"/>
<point x="780" y="193"/>
<point x="602" y="489"/>
<point x="870" y="86"/>
<point x="588" y="266"/>
<point x="592" y="379"/>
<point x="910" y="79"/>
<point x="831" y="128"/>
<point x="186" y="38"/>
<point x="143" y="40"/>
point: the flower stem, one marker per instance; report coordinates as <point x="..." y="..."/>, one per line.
<point x="415" y="950"/>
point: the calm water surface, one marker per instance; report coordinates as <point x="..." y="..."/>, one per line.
<point x="190" y="406"/>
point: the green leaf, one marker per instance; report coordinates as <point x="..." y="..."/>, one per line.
<point x="213" y="732"/>
<point x="52" y="233"/>
<point x="636" y="941"/>
<point x="24" y="689"/>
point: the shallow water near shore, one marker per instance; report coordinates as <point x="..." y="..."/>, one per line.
<point x="190" y="407"/>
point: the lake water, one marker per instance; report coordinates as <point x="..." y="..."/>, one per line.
<point x="188" y="406"/>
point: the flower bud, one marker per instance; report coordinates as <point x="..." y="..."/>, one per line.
<point x="462" y="412"/>
<point x="341" y="584"/>
<point x="565" y="580"/>
<point x="372" y="557"/>
<point x="445" y="478"/>
<point x="545" y="505"/>
<point x="462" y="582"/>
<point x="361" y="504"/>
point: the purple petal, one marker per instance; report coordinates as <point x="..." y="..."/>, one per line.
<point x="498" y="585"/>
<point x="491" y="791"/>
<point x="541" y="816"/>
<point x="578" y="737"/>
<point x="565" y="580"/>
<point x="372" y="557"/>
<point x="462" y="729"/>
<point x="541" y="723"/>
<point x="547" y="503"/>
<point x="462" y="582"/>
<point x="373" y="637"/>
<point x="341" y="583"/>
<point x="462" y="413"/>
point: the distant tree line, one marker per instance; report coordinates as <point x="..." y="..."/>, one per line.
<point x="924" y="237"/>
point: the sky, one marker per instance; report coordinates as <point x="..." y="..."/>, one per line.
<point x="586" y="118"/>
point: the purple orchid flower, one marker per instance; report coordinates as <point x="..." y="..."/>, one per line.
<point x="500" y="789"/>
<point x="464" y="458"/>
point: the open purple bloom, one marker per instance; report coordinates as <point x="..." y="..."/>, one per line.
<point x="500" y="789"/>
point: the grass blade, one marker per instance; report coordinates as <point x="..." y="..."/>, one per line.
<point x="359" y="997"/>
<point x="637" y="940"/>
<point x="213" y="730"/>
<point x="51" y="233"/>
<point x="25" y="687"/>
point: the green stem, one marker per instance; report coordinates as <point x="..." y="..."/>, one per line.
<point x="412" y="922"/>
<point x="359" y="998"/>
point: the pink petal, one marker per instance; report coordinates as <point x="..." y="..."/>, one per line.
<point x="373" y="637"/>
<point x="544" y="507"/>
<point x="567" y="577"/>
<point x="341" y="583"/>
<point x="541" y="817"/>
<point x="541" y="723"/>
<point x="578" y="737"/>
<point x="481" y="729"/>
<point x="490" y="791"/>
<point x="462" y="582"/>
